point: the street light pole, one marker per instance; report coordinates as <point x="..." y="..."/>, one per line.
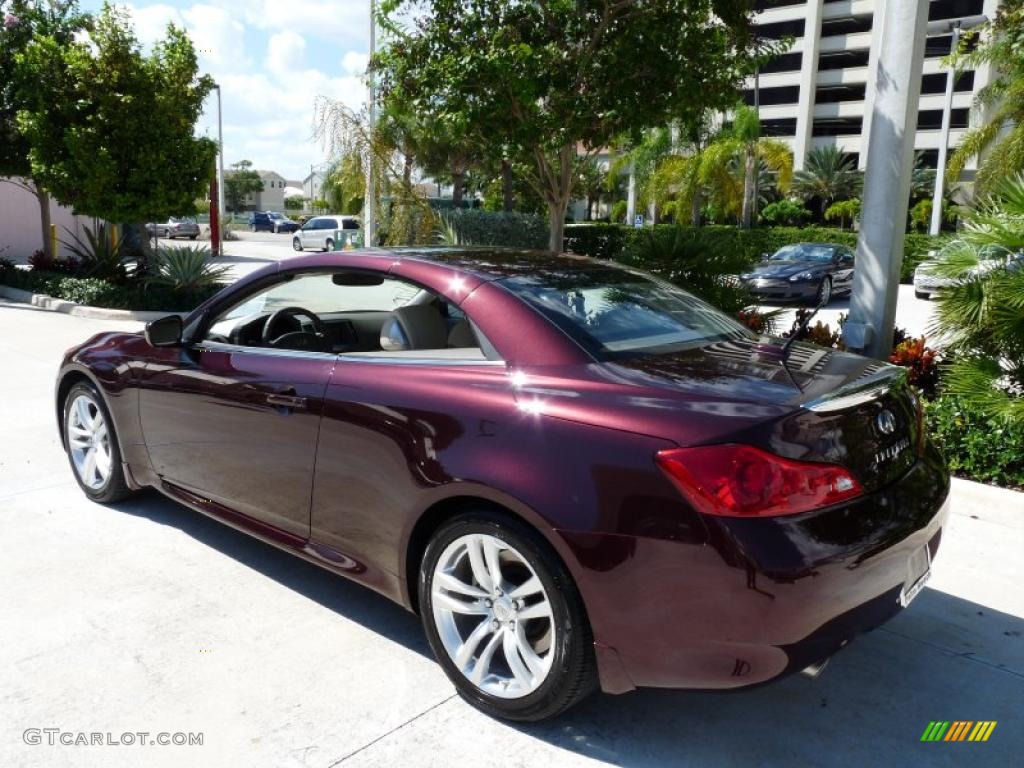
<point x="369" y="205"/>
<point x="897" y="91"/>
<point x="952" y="27"/>
<point x="220" y="175"/>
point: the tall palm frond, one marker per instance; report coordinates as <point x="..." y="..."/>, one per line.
<point x="828" y="175"/>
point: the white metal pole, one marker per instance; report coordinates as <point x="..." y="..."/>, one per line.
<point x="940" y="169"/>
<point x="631" y="196"/>
<point x="887" y="178"/>
<point x="220" y="176"/>
<point x="370" y="203"/>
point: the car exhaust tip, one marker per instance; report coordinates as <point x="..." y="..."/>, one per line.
<point x="814" y="670"/>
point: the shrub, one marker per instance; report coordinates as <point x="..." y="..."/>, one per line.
<point x="676" y="254"/>
<point x="977" y="446"/>
<point x="475" y="226"/>
<point x="6" y="265"/>
<point x="100" y="293"/>
<point x="785" y="212"/>
<point x="843" y="211"/>
<point x="618" y="211"/>
<point x="608" y="241"/>
<point x="39" y="260"/>
<point x="921" y="362"/>
<point x="97" y="254"/>
<point x="184" y="270"/>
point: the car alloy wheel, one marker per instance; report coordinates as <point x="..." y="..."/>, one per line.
<point x="89" y="442"/>
<point x="504" y="618"/>
<point x="329" y="245"/>
<point x="296" y="244"/>
<point x="493" y="616"/>
<point x="92" y="445"/>
<point x="825" y="292"/>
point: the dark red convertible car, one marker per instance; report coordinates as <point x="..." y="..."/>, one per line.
<point x="576" y="473"/>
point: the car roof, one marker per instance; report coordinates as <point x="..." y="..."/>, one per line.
<point x="496" y="262"/>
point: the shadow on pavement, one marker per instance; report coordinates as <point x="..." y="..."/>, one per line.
<point x="869" y="707"/>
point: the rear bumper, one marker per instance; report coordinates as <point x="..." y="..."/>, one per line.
<point x="763" y="598"/>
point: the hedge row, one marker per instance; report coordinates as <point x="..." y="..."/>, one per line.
<point x="95" y="292"/>
<point x="609" y="241"/>
<point x="518" y="230"/>
<point x="976" y="446"/>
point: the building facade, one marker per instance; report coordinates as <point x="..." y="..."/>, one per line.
<point x="818" y="94"/>
<point x="272" y="196"/>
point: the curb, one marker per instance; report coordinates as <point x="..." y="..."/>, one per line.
<point x="78" y="310"/>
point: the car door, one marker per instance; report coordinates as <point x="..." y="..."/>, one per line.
<point x="308" y="233"/>
<point x="237" y="426"/>
<point x="327" y="227"/>
<point x="842" y="278"/>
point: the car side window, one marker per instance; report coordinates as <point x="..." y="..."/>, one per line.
<point x="360" y="314"/>
<point x="349" y="224"/>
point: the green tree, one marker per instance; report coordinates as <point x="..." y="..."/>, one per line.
<point x="295" y="203"/>
<point x="733" y="162"/>
<point x="240" y="182"/>
<point x="22" y="88"/>
<point x="345" y="184"/>
<point x="554" y="80"/>
<point x="998" y="140"/>
<point x="846" y="211"/>
<point x="788" y="213"/>
<point x="112" y="135"/>
<point x="828" y="175"/>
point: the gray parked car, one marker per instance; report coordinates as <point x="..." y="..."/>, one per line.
<point x="174" y="227"/>
<point x="318" y="233"/>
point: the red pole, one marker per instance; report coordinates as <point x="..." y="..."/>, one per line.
<point x="214" y="218"/>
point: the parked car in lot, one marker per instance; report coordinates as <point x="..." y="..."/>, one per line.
<point x="577" y="474"/>
<point x="318" y="232"/>
<point x="928" y="281"/>
<point x="271" y="221"/>
<point x="174" y="227"/>
<point x="813" y="272"/>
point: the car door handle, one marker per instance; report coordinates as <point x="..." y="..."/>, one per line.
<point x="286" y="400"/>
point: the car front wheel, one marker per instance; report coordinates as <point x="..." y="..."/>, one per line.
<point x="504" y="619"/>
<point x="824" y="295"/>
<point x="91" y="445"/>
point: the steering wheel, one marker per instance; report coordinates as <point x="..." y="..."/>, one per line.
<point x="303" y="340"/>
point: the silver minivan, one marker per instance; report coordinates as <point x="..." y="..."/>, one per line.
<point x="318" y="233"/>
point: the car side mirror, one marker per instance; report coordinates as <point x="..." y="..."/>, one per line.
<point x="164" y="332"/>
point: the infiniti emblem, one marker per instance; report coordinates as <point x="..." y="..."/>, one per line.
<point x="885" y="422"/>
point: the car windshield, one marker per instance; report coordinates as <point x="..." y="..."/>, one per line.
<point x="821" y="253"/>
<point x="320" y="295"/>
<point x="277" y="216"/>
<point x="615" y="313"/>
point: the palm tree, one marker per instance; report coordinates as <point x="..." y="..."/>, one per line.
<point x="741" y="150"/>
<point x="998" y="141"/>
<point x="828" y="175"/>
<point x="981" y="317"/>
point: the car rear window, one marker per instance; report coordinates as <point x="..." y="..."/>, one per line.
<point x="613" y="312"/>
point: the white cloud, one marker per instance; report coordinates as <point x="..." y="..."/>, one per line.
<point x="286" y="53"/>
<point x="273" y="59"/>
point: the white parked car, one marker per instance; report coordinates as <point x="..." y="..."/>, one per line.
<point x="928" y="282"/>
<point x="319" y="233"/>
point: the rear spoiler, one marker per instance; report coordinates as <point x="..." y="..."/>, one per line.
<point x="860" y="391"/>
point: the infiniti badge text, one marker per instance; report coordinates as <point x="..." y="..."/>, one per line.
<point x="892" y="451"/>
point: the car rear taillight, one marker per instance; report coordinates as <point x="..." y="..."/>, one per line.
<point x="736" y="480"/>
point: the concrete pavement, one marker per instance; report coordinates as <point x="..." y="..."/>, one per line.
<point x="149" y="617"/>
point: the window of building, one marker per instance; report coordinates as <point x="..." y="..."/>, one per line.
<point x="931" y="119"/>
<point x="831" y="94"/>
<point x="845" y="25"/>
<point x="789" y="94"/>
<point x="781" y="29"/>
<point x="842" y="59"/>
<point x="936" y="83"/>
<point x="787" y="62"/>
<point x="836" y="126"/>
<point x="783" y="126"/>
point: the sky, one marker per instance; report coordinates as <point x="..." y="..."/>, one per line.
<point x="272" y="59"/>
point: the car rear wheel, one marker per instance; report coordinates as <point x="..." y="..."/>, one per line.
<point x="504" y="619"/>
<point x="922" y="295"/>
<point x="329" y="245"/>
<point x="824" y="295"/>
<point x="91" y="445"/>
<point x="296" y="244"/>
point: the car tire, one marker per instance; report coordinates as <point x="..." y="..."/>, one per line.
<point x="552" y="650"/>
<point x="329" y="245"/>
<point x="82" y="414"/>
<point x="824" y="294"/>
<point x="167" y="234"/>
<point x="296" y="244"/>
<point x="192" y="237"/>
<point x="922" y="295"/>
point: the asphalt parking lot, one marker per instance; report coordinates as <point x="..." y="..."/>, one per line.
<point x="147" y="617"/>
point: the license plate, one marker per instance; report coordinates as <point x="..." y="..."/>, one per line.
<point x="919" y="568"/>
